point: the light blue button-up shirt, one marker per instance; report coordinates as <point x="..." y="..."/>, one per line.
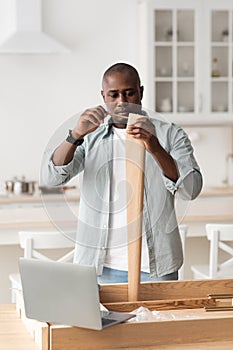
<point x="94" y="158"/>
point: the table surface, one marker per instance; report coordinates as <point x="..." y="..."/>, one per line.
<point x="14" y="336"/>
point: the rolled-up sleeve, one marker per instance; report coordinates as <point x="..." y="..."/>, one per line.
<point x="188" y="186"/>
<point x="58" y="175"/>
<point x="189" y="183"/>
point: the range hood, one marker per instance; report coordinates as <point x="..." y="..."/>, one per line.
<point x="21" y="29"/>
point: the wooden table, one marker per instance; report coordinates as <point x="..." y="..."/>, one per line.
<point x="13" y="334"/>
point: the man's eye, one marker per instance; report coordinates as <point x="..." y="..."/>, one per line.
<point x="113" y="95"/>
<point x="130" y="93"/>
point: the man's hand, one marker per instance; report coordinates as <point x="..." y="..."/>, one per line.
<point x="144" y="130"/>
<point x="89" y="121"/>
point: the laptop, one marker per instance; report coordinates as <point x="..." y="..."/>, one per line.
<point x="64" y="293"/>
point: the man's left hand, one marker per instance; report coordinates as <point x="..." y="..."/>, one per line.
<point x="144" y="130"/>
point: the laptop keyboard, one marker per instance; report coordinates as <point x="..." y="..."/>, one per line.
<point x="107" y="321"/>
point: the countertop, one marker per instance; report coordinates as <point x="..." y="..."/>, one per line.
<point x="197" y="211"/>
<point x="74" y="197"/>
<point x="217" y="191"/>
<point x="8" y="199"/>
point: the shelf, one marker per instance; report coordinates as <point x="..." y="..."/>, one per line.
<point x="220" y="80"/>
<point x="197" y="120"/>
<point x="170" y="79"/>
<point x="174" y="43"/>
<point x="219" y="44"/>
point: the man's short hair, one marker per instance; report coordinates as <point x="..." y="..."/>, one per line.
<point x="122" y="68"/>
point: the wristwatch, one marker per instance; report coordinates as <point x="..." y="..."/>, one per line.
<point x="75" y="142"/>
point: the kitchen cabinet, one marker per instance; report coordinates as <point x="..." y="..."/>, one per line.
<point x="31" y="213"/>
<point x="186" y="55"/>
<point x="36" y="213"/>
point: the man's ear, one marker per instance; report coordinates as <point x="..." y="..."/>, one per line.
<point x="141" y="91"/>
<point x="102" y="93"/>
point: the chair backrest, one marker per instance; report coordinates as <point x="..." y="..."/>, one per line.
<point x="31" y="242"/>
<point x="220" y="236"/>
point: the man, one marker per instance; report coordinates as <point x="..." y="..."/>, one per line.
<point x="96" y="147"/>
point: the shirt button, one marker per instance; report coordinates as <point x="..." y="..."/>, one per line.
<point x="104" y="226"/>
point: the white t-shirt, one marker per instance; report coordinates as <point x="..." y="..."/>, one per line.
<point x="117" y="250"/>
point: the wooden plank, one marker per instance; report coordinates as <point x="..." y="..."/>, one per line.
<point x="45" y="338"/>
<point x="135" y="161"/>
<point x="168" y="290"/>
<point x="220" y="345"/>
<point x="143" y="334"/>
<point x="161" y="305"/>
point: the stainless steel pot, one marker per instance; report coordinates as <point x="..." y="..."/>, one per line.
<point x="9" y="186"/>
<point x="22" y="186"/>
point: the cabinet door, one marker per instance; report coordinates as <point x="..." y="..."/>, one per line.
<point x="219" y="15"/>
<point x="172" y="56"/>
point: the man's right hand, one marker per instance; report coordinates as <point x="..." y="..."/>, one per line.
<point x="89" y="121"/>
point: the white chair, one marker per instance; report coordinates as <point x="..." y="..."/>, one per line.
<point x="220" y="237"/>
<point x="32" y="242"/>
<point x="183" y="234"/>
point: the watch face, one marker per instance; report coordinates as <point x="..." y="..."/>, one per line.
<point x="70" y="135"/>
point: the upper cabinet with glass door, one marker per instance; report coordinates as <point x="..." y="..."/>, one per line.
<point x="174" y="60"/>
<point x="220" y="46"/>
<point x="187" y="60"/>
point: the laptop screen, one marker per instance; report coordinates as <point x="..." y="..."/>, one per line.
<point x="63" y="293"/>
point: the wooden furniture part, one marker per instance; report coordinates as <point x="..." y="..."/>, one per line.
<point x="223" y="302"/>
<point x="34" y="242"/>
<point x="154" y="334"/>
<point x="186" y="325"/>
<point x="135" y="161"/>
<point x="220" y="236"/>
<point x="13" y="335"/>
<point x="165" y="295"/>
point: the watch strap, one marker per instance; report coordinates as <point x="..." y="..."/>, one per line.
<point x="73" y="141"/>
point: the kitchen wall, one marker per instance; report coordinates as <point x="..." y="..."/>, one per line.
<point x="39" y="92"/>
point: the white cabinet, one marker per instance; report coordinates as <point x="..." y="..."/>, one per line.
<point x="50" y="212"/>
<point x="220" y="39"/>
<point x="186" y="55"/>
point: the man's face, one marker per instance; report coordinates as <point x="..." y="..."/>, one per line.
<point x="122" y="95"/>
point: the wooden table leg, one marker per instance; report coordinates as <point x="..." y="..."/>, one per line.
<point x="135" y="161"/>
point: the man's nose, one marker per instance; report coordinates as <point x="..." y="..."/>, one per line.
<point x="122" y="98"/>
